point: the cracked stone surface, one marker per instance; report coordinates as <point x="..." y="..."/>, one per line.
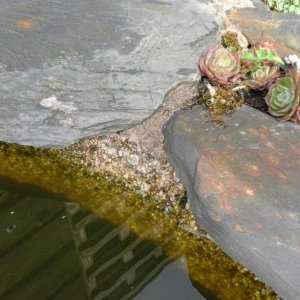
<point x="243" y="185"/>
<point x="257" y="22"/>
<point x="71" y="69"/>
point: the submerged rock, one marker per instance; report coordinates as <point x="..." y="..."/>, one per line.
<point x="71" y="69"/>
<point x="243" y="184"/>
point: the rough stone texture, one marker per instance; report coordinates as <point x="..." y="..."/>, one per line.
<point x="148" y="135"/>
<point x="78" y="68"/>
<point x="243" y="184"/>
<point x="259" y="22"/>
<point x="137" y="157"/>
<point x="223" y="6"/>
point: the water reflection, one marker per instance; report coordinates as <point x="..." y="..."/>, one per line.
<point x="38" y="258"/>
<point x="57" y="250"/>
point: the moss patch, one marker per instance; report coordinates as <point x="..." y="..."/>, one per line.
<point x="224" y="102"/>
<point x="230" y="40"/>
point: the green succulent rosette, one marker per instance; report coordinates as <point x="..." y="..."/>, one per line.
<point x="260" y="64"/>
<point x="262" y="77"/>
<point x="283" y="97"/>
<point x="221" y="65"/>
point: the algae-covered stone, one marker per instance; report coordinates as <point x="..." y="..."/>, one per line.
<point x="243" y="184"/>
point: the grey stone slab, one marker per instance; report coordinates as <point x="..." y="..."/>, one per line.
<point x="259" y="22"/>
<point x="71" y="69"/>
<point x="243" y="185"/>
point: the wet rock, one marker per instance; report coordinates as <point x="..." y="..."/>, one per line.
<point x="243" y="184"/>
<point x="70" y="69"/>
<point x="259" y="22"/>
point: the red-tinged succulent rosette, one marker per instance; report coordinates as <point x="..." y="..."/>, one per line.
<point x="221" y="66"/>
<point x="263" y="77"/>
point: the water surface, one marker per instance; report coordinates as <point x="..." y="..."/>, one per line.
<point x="51" y="249"/>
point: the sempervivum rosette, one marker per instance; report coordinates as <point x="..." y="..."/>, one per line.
<point x="283" y="97"/>
<point x="263" y="77"/>
<point x="260" y="64"/>
<point x="262" y="53"/>
<point x="221" y="66"/>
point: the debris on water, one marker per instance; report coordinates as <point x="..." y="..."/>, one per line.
<point x="11" y="228"/>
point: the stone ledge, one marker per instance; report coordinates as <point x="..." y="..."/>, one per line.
<point x="261" y="23"/>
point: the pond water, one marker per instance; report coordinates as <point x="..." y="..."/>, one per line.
<point x="52" y="249"/>
<point x="68" y="233"/>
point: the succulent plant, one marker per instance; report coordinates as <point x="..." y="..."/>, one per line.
<point x="287" y="6"/>
<point x="260" y="65"/>
<point x="221" y="66"/>
<point x="283" y="97"/>
<point x="262" y="77"/>
<point x="261" y="55"/>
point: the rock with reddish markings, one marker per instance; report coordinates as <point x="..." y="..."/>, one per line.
<point x="243" y="184"/>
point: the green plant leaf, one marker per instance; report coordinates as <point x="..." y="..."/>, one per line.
<point x="247" y="55"/>
<point x="273" y="57"/>
<point x="232" y="49"/>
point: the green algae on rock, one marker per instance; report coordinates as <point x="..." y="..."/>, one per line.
<point x="58" y="173"/>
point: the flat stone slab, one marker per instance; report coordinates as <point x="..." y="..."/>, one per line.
<point x="259" y="22"/>
<point x="243" y="185"/>
<point x="70" y="69"/>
